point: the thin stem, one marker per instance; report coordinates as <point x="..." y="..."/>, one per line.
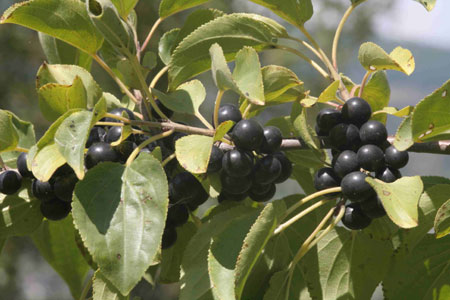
<point x="364" y="82"/>
<point x="306" y="58"/>
<point x="308" y="46"/>
<point x="204" y="121"/>
<point x="145" y="143"/>
<point x="158" y="76"/>
<point x="113" y="76"/>
<point x="86" y="289"/>
<point x="20" y="149"/>
<point x="217" y="107"/>
<point x="168" y="159"/>
<point x="297" y="217"/>
<point x="117" y="124"/>
<point x="150" y="34"/>
<point x="311" y="197"/>
<point x="2" y="164"/>
<point x="247" y="111"/>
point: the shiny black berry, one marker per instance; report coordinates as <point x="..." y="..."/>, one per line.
<point x="248" y="135"/>
<point x="198" y="199"/>
<point x="118" y="112"/>
<point x="42" y="190"/>
<point x="355" y="187"/>
<point x="215" y="160"/>
<point x="262" y="195"/>
<point x="326" y="119"/>
<point x="237" y="163"/>
<point x="286" y="167"/>
<point x="346" y="162"/>
<point x="235" y="185"/>
<point x="371" y="158"/>
<point x="177" y="215"/>
<point x="64" y="186"/>
<point x="272" y="140"/>
<point x="227" y="197"/>
<point x="266" y="170"/>
<point x="169" y="237"/>
<point x="55" y="209"/>
<point x="325" y="178"/>
<point x="389" y="175"/>
<point x="184" y="186"/>
<point x="124" y="150"/>
<point x="373" y="132"/>
<point x="345" y="137"/>
<point x="373" y="208"/>
<point x="395" y="158"/>
<point x="10" y="182"/>
<point x="354" y="218"/>
<point x="100" y="152"/>
<point x="22" y="166"/>
<point x="97" y="134"/>
<point x="356" y="111"/>
<point x="229" y="112"/>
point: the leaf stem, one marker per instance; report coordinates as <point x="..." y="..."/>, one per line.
<point x="2" y="164"/>
<point x="217" y="107"/>
<point x="308" y="46"/>
<point x="150" y="34"/>
<point x="158" y="76"/>
<point x="86" y="288"/>
<point x="20" y="149"/>
<point x="204" y="121"/>
<point x="168" y="159"/>
<point x="311" y="197"/>
<point x="116" y="79"/>
<point x="136" y="151"/>
<point x="247" y="111"/>
<point x="364" y="82"/>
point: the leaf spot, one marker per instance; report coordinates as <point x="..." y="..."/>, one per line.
<point x="431" y="126"/>
<point x="444" y="93"/>
<point x="119" y="256"/>
<point x="372" y="68"/>
<point x="386" y="193"/>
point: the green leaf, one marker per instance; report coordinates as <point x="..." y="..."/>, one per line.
<point x="65" y="75"/>
<point x="211" y="183"/>
<point x="186" y="99"/>
<point x="377" y="93"/>
<point x="220" y="72"/>
<point x="106" y="19"/>
<point x="56" y="99"/>
<point x="8" y="135"/>
<point x="382" y="229"/>
<point x="102" y="289"/>
<point x="59" y="52"/>
<point x="120" y="213"/>
<point x="56" y="243"/>
<point x="279" y="289"/>
<point x="195" y="281"/>
<point x="302" y="119"/>
<point x="150" y="60"/>
<point x="400" y="199"/>
<point x="170" y="7"/>
<point x="20" y="214"/>
<point x="255" y="241"/>
<point x="442" y="220"/>
<point x="128" y="73"/>
<point x="193" y="152"/>
<point x="329" y="94"/>
<point x="66" y="20"/>
<point x="125" y="7"/>
<point x="431" y="118"/>
<point x="372" y="57"/>
<point x="277" y="80"/>
<point x="403" y="137"/>
<point x="404" y="112"/>
<point x="232" y="32"/>
<point x="167" y="44"/>
<point x="222" y="130"/>
<point x="296" y="12"/>
<point x="171" y="258"/>
<point x="428" y="4"/>
<point x="423" y="274"/>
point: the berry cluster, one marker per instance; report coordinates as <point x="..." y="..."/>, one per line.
<point x="360" y="149"/>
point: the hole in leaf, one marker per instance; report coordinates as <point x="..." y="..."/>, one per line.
<point x="95" y="8"/>
<point x="444" y="93"/>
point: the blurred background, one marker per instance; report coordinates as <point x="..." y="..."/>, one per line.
<point x="24" y="275"/>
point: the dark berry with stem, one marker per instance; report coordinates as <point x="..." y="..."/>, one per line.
<point x="371" y="158"/>
<point x="373" y="132"/>
<point x="97" y="134"/>
<point x="389" y="174"/>
<point x="259" y="196"/>
<point x="286" y="167"/>
<point x="169" y="237"/>
<point x="55" y="209"/>
<point x="395" y="158"/>
<point x="355" y="187"/>
<point x="225" y="197"/>
<point x="42" y="190"/>
<point x="235" y="185"/>
<point x="345" y="137"/>
<point x="22" y="165"/>
<point x="64" y="186"/>
<point x="272" y="140"/>
<point x="177" y="215"/>
<point x="326" y="119"/>
<point x="345" y="163"/>
<point x="248" y="135"/>
<point x="100" y="152"/>
<point x="325" y="178"/>
<point x="215" y="160"/>
<point x="266" y="170"/>
<point x="237" y="163"/>
<point x="356" y="111"/>
<point x="229" y="112"/>
<point x="373" y="208"/>
<point x="354" y="218"/>
<point x="10" y="182"/>
<point x="118" y="112"/>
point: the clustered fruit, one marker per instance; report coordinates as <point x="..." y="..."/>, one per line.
<point x="251" y="169"/>
<point x="360" y="149"/>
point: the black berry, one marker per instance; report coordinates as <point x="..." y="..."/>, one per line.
<point x="229" y="112"/>
<point x="389" y="175"/>
<point x="169" y="237"/>
<point x="10" y="182"/>
<point x="326" y="119"/>
<point x="266" y="170"/>
<point x="198" y="199"/>
<point x="100" y="152"/>
<point x="373" y="132"/>
<point x="346" y="162"/>
<point x="55" y="209"/>
<point x="225" y="196"/>
<point x="354" y="218"/>
<point x="325" y="178"/>
<point x="22" y="166"/>
<point x="355" y="187"/>
<point x="97" y="134"/>
<point x="177" y="215"/>
<point x="370" y="158"/>
<point x="64" y="186"/>
<point x="356" y="111"/>
<point x="237" y="163"/>
<point x="215" y="160"/>
<point x="395" y="158"/>
<point x="118" y="112"/>
<point x="42" y="190"/>
<point x="264" y="194"/>
<point x="124" y="150"/>
<point x="373" y="208"/>
<point x="235" y="185"/>
<point x="248" y="134"/>
<point x="272" y="140"/>
<point x="286" y="167"/>
<point x="345" y="137"/>
<point x="184" y="186"/>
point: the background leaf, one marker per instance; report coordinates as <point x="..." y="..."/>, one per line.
<point x="167" y="44"/>
<point x="442" y="221"/>
<point x="377" y="93"/>
<point x="296" y="12"/>
<point x="193" y="152"/>
<point x="403" y="137"/>
<point x="428" y="4"/>
<point x="125" y="7"/>
<point x="104" y="290"/>
<point x="8" y="135"/>
<point x="170" y="7"/>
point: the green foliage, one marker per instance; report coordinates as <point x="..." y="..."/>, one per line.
<point x="442" y="220"/>
<point x="293" y="11"/>
<point x="193" y="152"/>
<point x="170" y="7"/>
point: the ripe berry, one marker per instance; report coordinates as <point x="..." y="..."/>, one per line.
<point x="100" y="152"/>
<point x="22" y="166"/>
<point x="346" y="162"/>
<point x="327" y="119"/>
<point x="286" y="167"/>
<point x="395" y="158"/>
<point x="114" y="134"/>
<point x="170" y="141"/>
<point x="169" y="237"/>
<point x="248" y="135"/>
<point x="198" y="199"/>
<point x="266" y="170"/>
<point x="373" y="208"/>
<point x="354" y="218"/>
<point x="215" y="160"/>
<point x="373" y="132"/>
<point x="63" y="170"/>
<point x="389" y="175"/>
<point x="272" y="140"/>
<point x="64" y="186"/>
<point x="124" y="150"/>
<point x="345" y="137"/>
<point x="325" y="178"/>
<point x="42" y="190"/>
<point x="237" y="163"/>
<point x="97" y="134"/>
<point x="10" y="182"/>
<point x="55" y="209"/>
<point x="225" y="196"/>
<point x="356" y="111"/>
<point x="259" y="196"/>
<point x="235" y="185"/>
<point x="118" y="112"/>
<point x="177" y="215"/>
<point x="319" y="131"/>
<point x="370" y="158"/>
<point x="229" y="112"/>
<point x="184" y="186"/>
<point x="355" y="187"/>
